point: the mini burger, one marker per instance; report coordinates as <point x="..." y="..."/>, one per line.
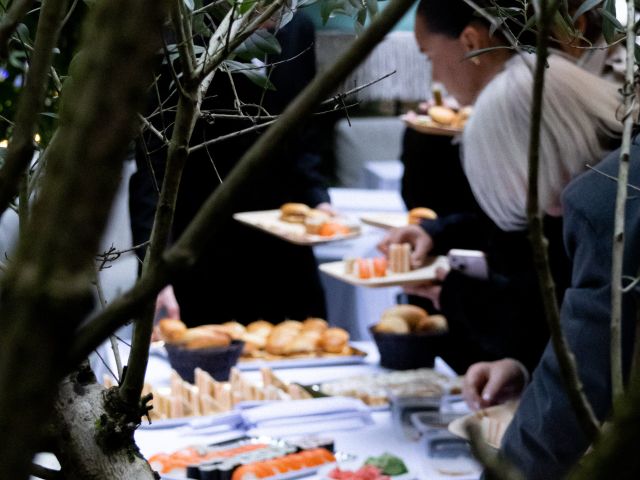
<point x="294" y="212"/>
<point x="416" y="215"/>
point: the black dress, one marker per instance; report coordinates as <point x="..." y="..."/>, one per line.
<point x="248" y="274"/>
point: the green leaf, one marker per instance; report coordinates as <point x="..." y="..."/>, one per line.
<point x="584" y="8"/>
<point x="372" y="7"/>
<point x="259" y="44"/>
<point x="189" y="4"/>
<point x="388" y="464"/>
<point x="609" y="20"/>
<point x="253" y="73"/>
<point x="50" y="115"/>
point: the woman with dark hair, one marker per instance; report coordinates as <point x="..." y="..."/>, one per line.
<point x="502" y="316"/>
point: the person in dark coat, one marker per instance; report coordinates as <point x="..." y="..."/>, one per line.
<point x="248" y="274"/>
<point x="544" y="439"/>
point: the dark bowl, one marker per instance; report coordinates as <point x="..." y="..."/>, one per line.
<point x="406" y="351"/>
<point x="217" y="361"/>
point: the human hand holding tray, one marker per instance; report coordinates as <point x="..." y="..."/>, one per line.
<point x="419" y="275"/>
<point x="269" y="222"/>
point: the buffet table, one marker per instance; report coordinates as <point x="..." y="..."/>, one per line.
<point x="381" y="436"/>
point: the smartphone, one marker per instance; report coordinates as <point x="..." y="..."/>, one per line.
<point x="472" y="263"/>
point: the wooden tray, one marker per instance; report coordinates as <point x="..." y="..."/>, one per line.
<point x="269" y="221"/>
<point x="493" y="422"/>
<point x="356" y="357"/>
<point x="386" y="220"/>
<point x="424" y="124"/>
<point x="420" y="275"/>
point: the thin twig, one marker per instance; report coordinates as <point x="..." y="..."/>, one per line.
<point x="566" y="360"/>
<point x="617" y="256"/>
<point x="611" y="177"/>
<point x="198" y="236"/>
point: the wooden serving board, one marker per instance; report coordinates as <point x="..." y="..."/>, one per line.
<point x="419" y="275"/>
<point x="269" y="221"/>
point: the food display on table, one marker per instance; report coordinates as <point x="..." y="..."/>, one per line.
<point x="207" y="396"/>
<point x="298" y="223"/>
<point x="375" y="389"/>
<point x="311" y="339"/>
<point x="245" y="459"/>
<point x="439" y="120"/>
<point x="408" y="337"/>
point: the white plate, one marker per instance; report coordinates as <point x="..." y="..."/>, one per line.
<point x="269" y="221"/>
<point x="424" y="124"/>
<point x="493" y="422"/>
<point x="258" y="363"/>
<point x="386" y="219"/>
<point x="419" y="275"/>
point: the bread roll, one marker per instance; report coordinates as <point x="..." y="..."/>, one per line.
<point x="416" y="215"/>
<point x="294" y="325"/>
<point x="253" y="343"/>
<point x="171" y="329"/>
<point x="294" y="212"/>
<point x="305" y="342"/>
<point x="411" y="313"/>
<point x="261" y="328"/>
<point x="199" y="337"/>
<point x="392" y="324"/>
<point x="315" y="324"/>
<point x="432" y="323"/>
<point x="334" y="340"/>
<point x="235" y="329"/>
<point x="278" y="339"/>
<point x="442" y="115"/>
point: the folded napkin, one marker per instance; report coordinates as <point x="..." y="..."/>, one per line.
<point x="298" y="417"/>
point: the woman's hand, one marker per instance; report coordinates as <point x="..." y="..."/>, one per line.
<point x="166" y="304"/>
<point x="327" y="208"/>
<point x="420" y="241"/>
<point x="491" y="383"/>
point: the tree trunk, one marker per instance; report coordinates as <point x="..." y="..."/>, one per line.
<point x="78" y="420"/>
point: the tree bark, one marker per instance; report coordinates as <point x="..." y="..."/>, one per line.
<point x="47" y="290"/>
<point x="77" y="419"/>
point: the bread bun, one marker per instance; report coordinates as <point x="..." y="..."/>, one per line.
<point x="334" y="340"/>
<point x="432" y="323"/>
<point x="234" y="329"/>
<point x="261" y="328"/>
<point x="293" y="325"/>
<point x="200" y="337"/>
<point x="171" y="329"/>
<point x="294" y="212"/>
<point x="305" y="342"/>
<point x="253" y="343"/>
<point x="315" y="325"/>
<point x="442" y="115"/>
<point x="278" y="339"/>
<point x="392" y="324"/>
<point x="412" y="314"/>
<point x="416" y="215"/>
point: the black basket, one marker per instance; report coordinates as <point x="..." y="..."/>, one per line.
<point x="404" y="351"/>
<point x="217" y="361"/>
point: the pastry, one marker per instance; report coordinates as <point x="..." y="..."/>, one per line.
<point x="294" y="212"/>
<point x="171" y="329"/>
<point x="200" y="337"/>
<point x="334" y="340"/>
<point x="416" y="215"/>
<point x="261" y="328"/>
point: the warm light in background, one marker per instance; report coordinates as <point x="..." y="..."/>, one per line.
<point x="4" y="143"/>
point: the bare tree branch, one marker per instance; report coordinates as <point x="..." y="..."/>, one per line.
<point x="617" y="383"/>
<point x="566" y="360"/>
<point x="218" y="206"/>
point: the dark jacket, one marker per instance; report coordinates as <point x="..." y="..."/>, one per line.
<point x="544" y="439"/>
<point x="247" y="274"/>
